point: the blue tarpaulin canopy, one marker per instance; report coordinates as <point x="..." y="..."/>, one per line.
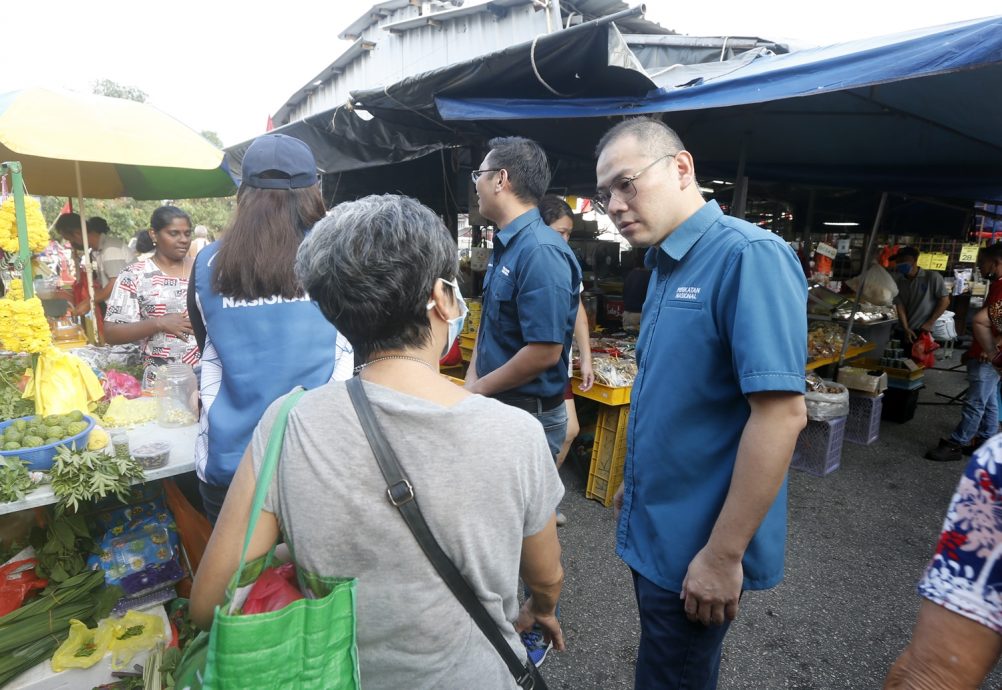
<point x="917" y="112"/>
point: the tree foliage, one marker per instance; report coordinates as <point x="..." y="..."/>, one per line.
<point x="127" y="216"/>
<point x="107" y="87"/>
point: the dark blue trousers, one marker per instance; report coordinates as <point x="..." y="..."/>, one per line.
<point x="674" y="653"/>
<point x="212" y="500"/>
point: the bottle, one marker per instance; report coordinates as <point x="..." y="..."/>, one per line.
<point x="178" y="396"/>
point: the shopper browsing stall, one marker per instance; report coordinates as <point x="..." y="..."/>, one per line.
<point x="491" y="507"/>
<point x="149" y="302"/>
<point x="979" y="417"/>
<point x="259" y="332"/>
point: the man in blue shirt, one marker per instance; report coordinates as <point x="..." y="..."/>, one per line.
<point x="716" y="408"/>
<point x="530" y="300"/>
<point x="530" y="297"/>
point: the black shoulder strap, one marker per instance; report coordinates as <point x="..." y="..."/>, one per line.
<point x="401" y="494"/>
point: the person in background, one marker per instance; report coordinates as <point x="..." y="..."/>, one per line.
<point x="558" y="215"/>
<point x="200" y="242"/>
<point x="383" y="270"/>
<point x="259" y="332"/>
<point x="109" y="257"/>
<point x="530" y="301"/>
<point x="702" y="511"/>
<point x="957" y="638"/>
<point x="922" y="295"/>
<point x="979" y="418"/>
<point x="148" y="304"/>
<point x="635" y="292"/>
<point x="142" y="244"/>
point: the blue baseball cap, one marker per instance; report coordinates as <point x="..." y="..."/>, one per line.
<point x="277" y="161"/>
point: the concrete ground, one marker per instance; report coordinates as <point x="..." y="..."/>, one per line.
<point x="859" y="539"/>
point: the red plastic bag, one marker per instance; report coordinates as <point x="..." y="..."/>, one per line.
<point x="454" y="357"/>
<point x="274" y="590"/>
<point x="17" y="581"/>
<point x="923" y="348"/>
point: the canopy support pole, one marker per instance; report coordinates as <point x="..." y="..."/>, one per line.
<point x="867" y="258"/>
<point x="740" y="200"/>
<point x="23" y="251"/>
<point x="87" y="266"/>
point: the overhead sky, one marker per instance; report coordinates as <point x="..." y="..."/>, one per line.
<point x="224" y="66"/>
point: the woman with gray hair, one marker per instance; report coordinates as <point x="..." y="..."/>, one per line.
<point x="383" y="271"/>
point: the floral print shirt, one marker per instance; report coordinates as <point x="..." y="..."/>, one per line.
<point x="142" y="292"/>
<point x="965" y="575"/>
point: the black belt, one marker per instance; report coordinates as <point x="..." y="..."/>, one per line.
<point x="531" y="403"/>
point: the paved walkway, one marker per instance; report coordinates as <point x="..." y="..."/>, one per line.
<point x="859" y="539"/>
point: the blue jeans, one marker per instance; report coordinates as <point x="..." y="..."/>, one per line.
<point x="212" y="500"/>
<point x="674" y="653"/>
<point x="980" y="416"/>
<point x="555" y="426"/>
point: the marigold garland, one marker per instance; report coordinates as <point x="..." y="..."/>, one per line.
<point x="38" y="231"/>
<point x="23" y="327"/>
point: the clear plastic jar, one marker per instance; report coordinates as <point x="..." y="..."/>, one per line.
<point x="177" y="389"/>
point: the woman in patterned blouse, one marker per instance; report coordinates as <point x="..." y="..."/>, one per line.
<point x="150" y="300"/>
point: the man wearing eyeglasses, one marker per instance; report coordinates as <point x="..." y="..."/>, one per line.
<point x="530" y="300"/>
<point x="716" y="408"/>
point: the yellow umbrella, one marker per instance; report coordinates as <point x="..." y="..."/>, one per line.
<point x="71" y="143"/>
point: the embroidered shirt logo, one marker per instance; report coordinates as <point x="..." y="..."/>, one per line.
<point x="504" y="270"/>
<point x="687" y="293"/>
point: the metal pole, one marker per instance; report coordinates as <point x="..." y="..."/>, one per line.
<point x="740" y="200"/>
<point x="23" y="251"/>
<point x="867" y="258"/>
<point x="91" y="316"/>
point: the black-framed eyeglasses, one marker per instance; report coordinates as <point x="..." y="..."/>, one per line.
<point x="475" y="175"/>
<point x="622" y="188"/>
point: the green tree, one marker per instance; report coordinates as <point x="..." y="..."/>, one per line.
<point x="107" y="87"/>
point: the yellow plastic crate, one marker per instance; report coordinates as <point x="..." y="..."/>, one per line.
<point x="608" y="454"/>
<point x="607" y="395"/>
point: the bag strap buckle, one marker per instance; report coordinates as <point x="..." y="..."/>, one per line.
<point x="527" y="681"/>
<point x="400" y="493"/>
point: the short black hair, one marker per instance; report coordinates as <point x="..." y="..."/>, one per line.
<point x="98" y="224"/>
<point x="163" y="216"/>
<point x="68" y="222"/>
<point x="553" y="208"/>
<point x="525" y="161"/>
<point x="659" y="138"/>
<point x="991" y="252"/>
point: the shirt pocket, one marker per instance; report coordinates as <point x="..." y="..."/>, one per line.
<point x="502" y="292"/>
<point x="683" y="304"/>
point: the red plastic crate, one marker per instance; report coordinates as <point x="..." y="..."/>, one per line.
<point x="819" y="447"/>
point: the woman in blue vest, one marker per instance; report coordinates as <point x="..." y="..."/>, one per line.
<point x="259" y="332"/>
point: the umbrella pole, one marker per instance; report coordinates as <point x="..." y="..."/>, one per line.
<point x="91" y="316"/>
<point x="867" y="258"/>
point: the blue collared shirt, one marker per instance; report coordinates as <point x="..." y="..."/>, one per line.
<point x="725" y="316"/>
<point x="530" y="296"/>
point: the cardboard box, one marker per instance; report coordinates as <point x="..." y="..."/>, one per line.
<point x="862" y="380"/>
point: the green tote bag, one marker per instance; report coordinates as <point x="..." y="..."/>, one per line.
<point x="309" y="644"/>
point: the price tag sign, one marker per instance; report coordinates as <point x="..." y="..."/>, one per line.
<point x="938" y="261"/>
<point x="968" y="254"/>
<point x="925" y="261"/>
<point x="826" y="250"/>
<point x="844" y="246"/>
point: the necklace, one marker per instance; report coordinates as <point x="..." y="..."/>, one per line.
<point x="360" y="367"/>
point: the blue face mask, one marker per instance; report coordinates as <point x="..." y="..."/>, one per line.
<point x="456" y="324"/>
<point x="903" y="269"/>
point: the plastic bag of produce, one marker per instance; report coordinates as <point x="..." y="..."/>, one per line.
<point x="62" y="383"/>
<point x="84" y="647"/>
<point x="922" y="350"/>
<point x="134" y="632"/>
<point x="880" y="287"/>
<point x="17" y="580"/>
<point x="826" y="399"/>
<point x="273" y="591"/>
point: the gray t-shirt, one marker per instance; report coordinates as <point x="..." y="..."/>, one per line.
<point x="484" y="479"/>
<point x="919" y="295"/>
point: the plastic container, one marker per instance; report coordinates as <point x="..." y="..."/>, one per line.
<point x="863" y="424"/>
<point x="152" y="455"/>
<point x="608" y="455"/>
<point x="177" y="390"/>
<point x="819" y="447"/>
<point x="40" y="458"/>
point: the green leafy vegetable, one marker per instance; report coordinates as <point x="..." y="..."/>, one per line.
<point x="14" y="479"/>
<point x="80" y="476"/>
<point x="12" y="405"/>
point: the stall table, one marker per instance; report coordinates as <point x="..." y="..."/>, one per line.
<point x="851" y="353"/>
<point x="181" y="460"/>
